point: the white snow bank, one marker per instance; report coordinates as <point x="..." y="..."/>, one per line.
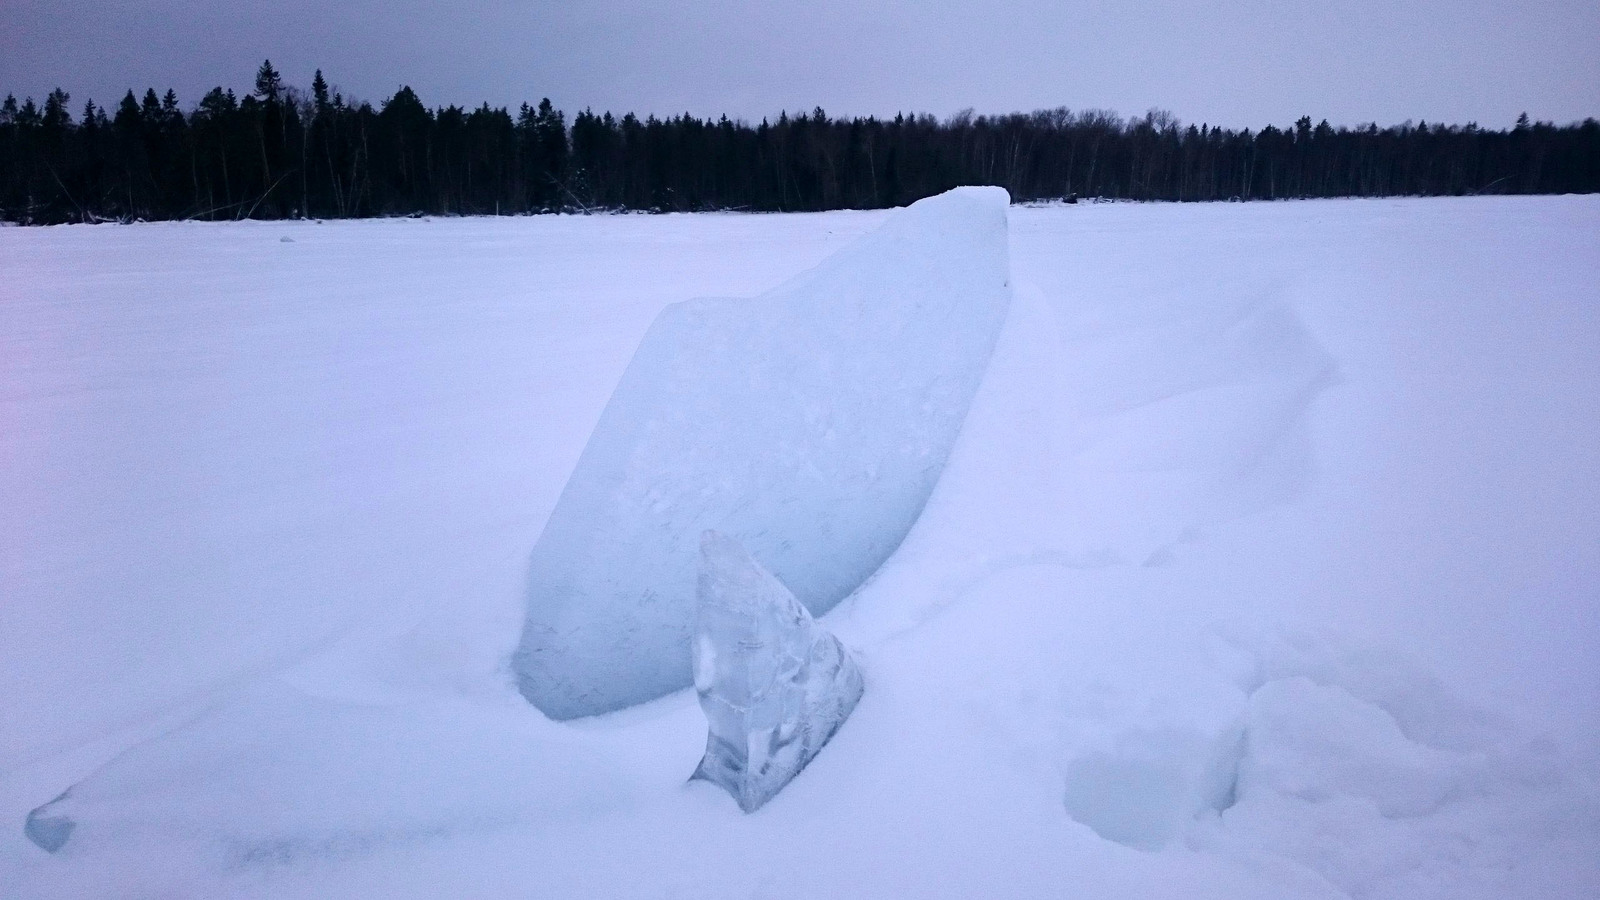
<point x="810" y="424"/>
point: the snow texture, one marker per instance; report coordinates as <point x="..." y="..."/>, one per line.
<point x="266" y="506"/>
<point x="276" y="776"/>
<point x="810" y="424"/>
<point x="774" y="685"/>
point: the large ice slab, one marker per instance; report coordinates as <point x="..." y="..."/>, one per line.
<point x="774" y="685"/>
<point x="810" y="424"/>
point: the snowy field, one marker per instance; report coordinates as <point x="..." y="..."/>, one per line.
<point x="1266" y="564"/>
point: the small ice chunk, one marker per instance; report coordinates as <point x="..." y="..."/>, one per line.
<point x="1143" y="792"/>
<point x="1154" y="723"/>
<point x="48" y="830"/>
<point x="774" y="685"/>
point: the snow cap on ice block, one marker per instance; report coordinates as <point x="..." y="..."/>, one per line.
<point x="774" y="685"/>
<point x="810" y="424"/>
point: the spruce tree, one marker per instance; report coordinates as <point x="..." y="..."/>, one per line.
<point x="269" y="84"/>
<point x="319" y="92"/>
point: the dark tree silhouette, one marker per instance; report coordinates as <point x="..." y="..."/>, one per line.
<point x="278" y="152"/>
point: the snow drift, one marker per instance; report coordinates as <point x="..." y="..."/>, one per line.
<point x="809" y="424"/>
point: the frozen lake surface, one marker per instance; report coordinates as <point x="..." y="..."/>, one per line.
<point x="1266" y="564"/>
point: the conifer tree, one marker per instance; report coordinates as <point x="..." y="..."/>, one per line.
<point x="269" y="84"/>
<point x="319" y="92"/>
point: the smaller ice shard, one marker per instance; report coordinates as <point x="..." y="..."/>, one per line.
<point x="774" y="685"/>
<point x="49" y="832"/>
<point x="1145" y="789"/>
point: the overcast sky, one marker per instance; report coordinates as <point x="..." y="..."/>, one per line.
<point x="1233" y="62"/>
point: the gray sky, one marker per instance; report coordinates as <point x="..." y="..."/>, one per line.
<point x="1234" y="62"/>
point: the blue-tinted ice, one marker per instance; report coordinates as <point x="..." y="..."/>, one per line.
<point x="774" y="685"/>
<point x="49" y="828"/>
<point x="810" y="424"/>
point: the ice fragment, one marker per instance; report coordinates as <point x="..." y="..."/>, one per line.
<point x="49" y="832"/>
<point x="774" y="684"/>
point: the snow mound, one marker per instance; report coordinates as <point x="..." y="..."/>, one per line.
<point x="1331" y="756"/>
<point x="810" y="424"/>
<point x="1317" y="742"/>
<point x="774" y="685"/>
<point x="1369" y="772"/>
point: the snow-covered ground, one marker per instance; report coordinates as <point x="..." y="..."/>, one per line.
<point x="1267" y="564"/>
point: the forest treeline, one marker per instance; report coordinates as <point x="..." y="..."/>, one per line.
<point x="281" y="152"/>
